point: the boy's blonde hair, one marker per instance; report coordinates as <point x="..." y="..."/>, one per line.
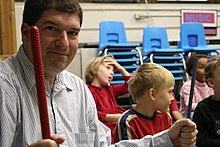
<point x="149" y="75"/>
<point x="210" y="66"/>
<point x="93" y="67"/>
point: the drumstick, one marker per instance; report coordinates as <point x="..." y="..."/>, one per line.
<point x="39" y="78"/>
<point x="195" y="63"/>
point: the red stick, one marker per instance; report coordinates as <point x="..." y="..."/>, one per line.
<point x="39" y="78"/>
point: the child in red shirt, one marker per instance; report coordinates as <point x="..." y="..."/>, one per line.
<point x="99" y="74"/>
<point x="151" y="88"/>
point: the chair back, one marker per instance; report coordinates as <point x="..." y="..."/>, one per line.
<point x="154" y="38"/>
<point x="156" y="49"/>
<point x="192" y="34"/>
<point x="111" y="32"/>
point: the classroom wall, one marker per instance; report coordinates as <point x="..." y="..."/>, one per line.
<point x="163" y="15"/>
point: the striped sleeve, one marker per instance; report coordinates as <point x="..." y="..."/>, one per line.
<point x="124" y="129"/>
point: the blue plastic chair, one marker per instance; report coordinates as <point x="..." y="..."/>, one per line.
<point x="156" y="49"/>
<point x="155" y="40"/>
<point x="192" y="39"/>
<point x="112" y="34"/>
<point x="113" y="40"/>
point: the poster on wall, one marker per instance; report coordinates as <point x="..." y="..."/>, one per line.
<point x="207" y="17"/>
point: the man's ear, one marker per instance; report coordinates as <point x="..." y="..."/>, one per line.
<point x="210" y="82"/>
<point x="152" y="94"/>
<point x="25" y="32"/>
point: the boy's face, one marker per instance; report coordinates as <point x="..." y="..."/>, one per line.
<point x="105" y="74"/>
<point x="164" y="98"/>
<point x="215" y="81"/>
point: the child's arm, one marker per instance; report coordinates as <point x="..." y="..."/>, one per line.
<point x="176" y="115"/>
<point x="112" y="117"/>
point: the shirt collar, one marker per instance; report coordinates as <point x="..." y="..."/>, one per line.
<point x="62" y="82"/>
<point x="200" y="84"/>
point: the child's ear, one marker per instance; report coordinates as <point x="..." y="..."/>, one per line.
<point x="152" y="94"/>
<point x="210" y="82"/>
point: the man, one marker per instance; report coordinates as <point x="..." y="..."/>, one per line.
<point x="71" y="108"/>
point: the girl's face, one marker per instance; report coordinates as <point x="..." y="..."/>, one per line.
<point x="105" y="74"/>
<point x="200" y="76"/>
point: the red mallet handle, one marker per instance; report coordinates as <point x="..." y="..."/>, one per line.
<point x="39" y="78"/>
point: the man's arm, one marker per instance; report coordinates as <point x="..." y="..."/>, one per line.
<point x="182" y="133"/>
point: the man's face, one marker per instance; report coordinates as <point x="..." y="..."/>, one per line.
<point x="59" y="39"/>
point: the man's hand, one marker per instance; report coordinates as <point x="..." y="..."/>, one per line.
<point x="183" y="133"/>
<point x="53" y="142"/>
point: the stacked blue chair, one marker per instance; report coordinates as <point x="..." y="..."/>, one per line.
<point x="192" y="39"/>
<point x="113" y="40"/>
<point x="156" y="49"/>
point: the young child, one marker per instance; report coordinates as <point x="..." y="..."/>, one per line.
<point x="207" y="112"/>
<point x="99" y="74"/>
<point x="151" y="88"/>
<point x="201" y="89"/>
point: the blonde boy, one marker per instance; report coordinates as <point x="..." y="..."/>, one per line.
<point x="151" y="88"/>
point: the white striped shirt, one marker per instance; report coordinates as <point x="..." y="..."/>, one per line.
<point x="71" y="109"/>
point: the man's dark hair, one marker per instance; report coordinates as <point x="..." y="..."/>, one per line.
<point x="33" y="9"/>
